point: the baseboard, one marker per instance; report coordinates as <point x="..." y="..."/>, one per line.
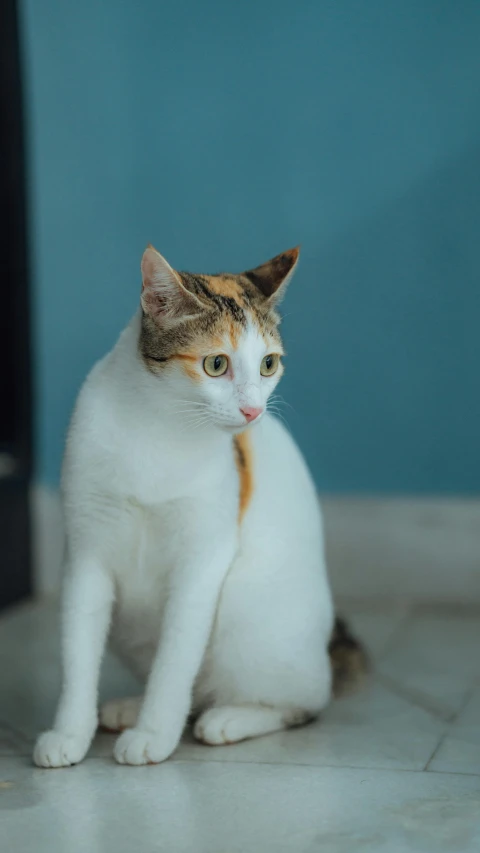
<point x="424" y="549"/>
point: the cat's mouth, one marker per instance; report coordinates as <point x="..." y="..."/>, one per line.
<point x="235" y="428"/>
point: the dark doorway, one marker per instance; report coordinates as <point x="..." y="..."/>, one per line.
<point x="15" y="372"/>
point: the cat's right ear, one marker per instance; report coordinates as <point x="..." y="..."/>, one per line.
<point x="272" y="278"/>
<point x="164" y="296"/>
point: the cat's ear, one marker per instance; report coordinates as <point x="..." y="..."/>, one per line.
<point x="164" y="296"/>
<point x="272" y="277"/>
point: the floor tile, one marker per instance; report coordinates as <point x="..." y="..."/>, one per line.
<point x="460" y="751"/>
<point x="350" y="782"/>
<point x="182" y="807"/>
<point x="434" y="659"/>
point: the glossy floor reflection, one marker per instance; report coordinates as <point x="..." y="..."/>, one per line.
<point x="394" y="768"/>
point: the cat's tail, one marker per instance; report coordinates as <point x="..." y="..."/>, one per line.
<point x="350" y="661"/>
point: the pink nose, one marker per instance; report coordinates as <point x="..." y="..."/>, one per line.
<point x="251" y="413"/>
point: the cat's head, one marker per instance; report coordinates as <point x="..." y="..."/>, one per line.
<point x="214" y="338"/>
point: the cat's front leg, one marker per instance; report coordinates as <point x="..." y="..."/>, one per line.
<point x="86" y="611"/>
<point x="186" y="627"/>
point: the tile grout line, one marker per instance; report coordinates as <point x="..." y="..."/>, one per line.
<point x="376" y="769"/>
<point x="451" y="724"/>
<point x="440" y="743"/>
<point x="415" y="698"/>
<point x="336" y="767"/>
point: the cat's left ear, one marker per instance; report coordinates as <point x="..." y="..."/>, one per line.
<point x="272" y="278"/>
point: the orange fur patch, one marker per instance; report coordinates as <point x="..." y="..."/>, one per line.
<point x="188" y="362"/>
<point x="185" y="356"/>
<point x="191" y="370"/>
<point x="229" y="287"/>
<point x="224" y="286"/>
<point x="244" y="461"/>
<point x="234" y="333"/>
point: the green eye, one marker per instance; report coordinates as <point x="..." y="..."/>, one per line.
<point x="215" y="365"/>
<point x="269" y="365"/>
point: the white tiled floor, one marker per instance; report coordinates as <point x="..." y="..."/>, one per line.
<point x="393" y="769"/>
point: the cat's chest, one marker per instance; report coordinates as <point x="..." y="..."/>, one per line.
<point x="153" y="469"/>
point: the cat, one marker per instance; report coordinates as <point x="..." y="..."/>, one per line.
<point x="194" y="535"/>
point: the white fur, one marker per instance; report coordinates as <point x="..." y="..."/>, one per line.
<point x="230" y="622"/>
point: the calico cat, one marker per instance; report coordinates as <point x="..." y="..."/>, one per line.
<point x="194" y="535"/>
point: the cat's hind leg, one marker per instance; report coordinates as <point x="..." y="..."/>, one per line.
<point x="232" y="723"/>
<point x="120" y="714"/>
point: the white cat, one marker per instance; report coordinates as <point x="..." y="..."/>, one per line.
<point x="193" y="537"/>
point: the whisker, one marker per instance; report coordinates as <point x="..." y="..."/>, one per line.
<point x="187" y="411"/>
<point x="195" y="423"/>
<point x="277" y="398"/>
<point x="191" y="404"/>
<point x="274" y="410"/>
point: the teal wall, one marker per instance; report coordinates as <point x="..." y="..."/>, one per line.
<point x="226" y="132"/>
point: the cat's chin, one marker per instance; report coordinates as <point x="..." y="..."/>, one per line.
<point x="230" y="428"/>
<point x="233" y="429"/>
<point x="236" y="429"/>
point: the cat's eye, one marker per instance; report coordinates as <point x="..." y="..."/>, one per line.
<point x="269" y="364"/>
<point x="215" y="365"/>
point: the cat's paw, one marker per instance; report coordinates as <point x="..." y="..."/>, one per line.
<point x="136" y="746"/>
<point x="55" y="749"/>
<point x="219" y="726"/>
<point x="120" y="714"/>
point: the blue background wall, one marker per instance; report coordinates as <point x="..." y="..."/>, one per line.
<point x="226" y="132"/>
